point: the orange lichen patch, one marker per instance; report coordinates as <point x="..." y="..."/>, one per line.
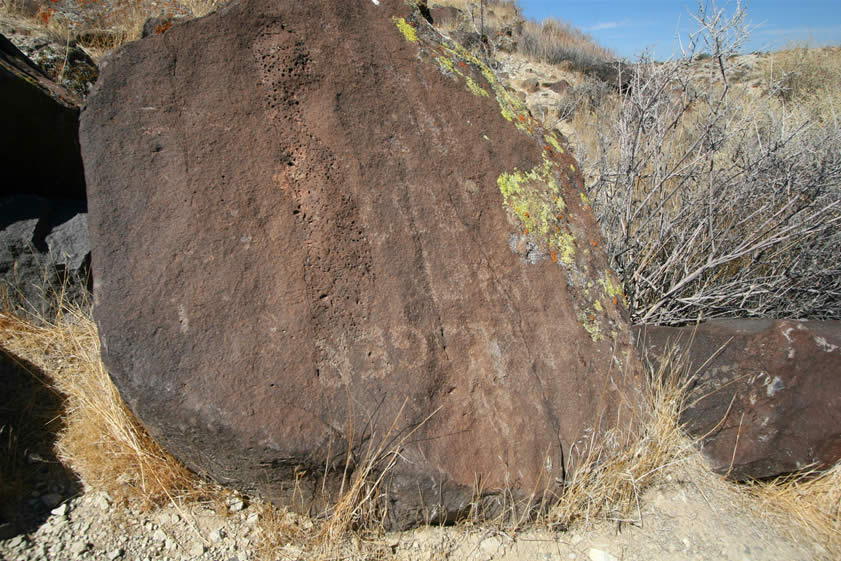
<point x="555" y="259"/>
<point x="595" y="243"/>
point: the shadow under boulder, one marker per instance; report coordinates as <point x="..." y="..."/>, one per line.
<point x="32" y="480"/>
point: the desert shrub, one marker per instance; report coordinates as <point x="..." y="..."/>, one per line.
<point x="716" y="201"/>
<point x="555" y="41"/>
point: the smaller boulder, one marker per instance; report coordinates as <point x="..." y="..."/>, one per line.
<point x="44" y="252"/>
<point x="766" y="394"/>
<point x="560" y="87"/>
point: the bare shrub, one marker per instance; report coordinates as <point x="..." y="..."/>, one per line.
<point x="715" y="201"/>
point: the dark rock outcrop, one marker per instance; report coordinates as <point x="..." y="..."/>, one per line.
<point x="767" y="393"/>
<point x="39" y="147"/>
<point x="323" y="236"/>
<point x="61" y="59"/>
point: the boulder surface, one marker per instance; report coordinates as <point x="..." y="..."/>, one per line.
<point x="766" y="394"/>
<point x="327" y="242"/>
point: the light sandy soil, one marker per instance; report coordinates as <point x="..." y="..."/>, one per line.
<point x="690" y="515"/>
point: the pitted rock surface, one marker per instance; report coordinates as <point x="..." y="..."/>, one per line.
<point x="323" y="235"/>
<point x="767" y="393"/>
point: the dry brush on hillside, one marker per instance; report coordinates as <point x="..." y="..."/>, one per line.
<point x="718" y="199"/>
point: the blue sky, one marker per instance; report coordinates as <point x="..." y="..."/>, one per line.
<point x="629" y="26"/>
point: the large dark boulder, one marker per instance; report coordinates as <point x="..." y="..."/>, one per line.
<point x="323" y="236"/>
<point x="766" y="397"/>
<point x="39" y="147"/>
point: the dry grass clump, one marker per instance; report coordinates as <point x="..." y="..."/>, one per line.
<point x="101" y="441"/>
<point x="611" y="477"/>
<point x="485" y="17"/>
<point x="555" y="41"/>
<point x="810" y="500"/>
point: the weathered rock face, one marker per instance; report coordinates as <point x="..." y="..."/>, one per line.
<point x="318" y="229"/>
<point x="767" y="399"/>
<point x="39" y="146"/>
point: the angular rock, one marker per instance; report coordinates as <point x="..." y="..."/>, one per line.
<point x="44" y="250"/>
<point x="767" y="394"/>
<point x="39" y="147"/>
<point x="326" y="237"/>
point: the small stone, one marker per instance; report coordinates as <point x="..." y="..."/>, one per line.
<point x="60" y="510"/>
<point x="236" y="504"/>
<point x="17" y="541"/>
<point x="51" y="500"/>
<point x="79" y="547"/>
<point x="599" y="555"/>
<point x="159" y="536"/>
<point x="197" y="549"/>
<point x="216" y="535"/>
<point x="116" y="554"/>
<point x="252" y="518"/>
<point x="101" y="501"/>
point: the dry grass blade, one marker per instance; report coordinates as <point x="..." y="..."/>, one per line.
<point x="102" y="441"/>
<point x="812" y="500"/>
<point x="609" y="479"/>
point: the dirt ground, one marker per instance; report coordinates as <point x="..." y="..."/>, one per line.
<point x="690" y="514"/>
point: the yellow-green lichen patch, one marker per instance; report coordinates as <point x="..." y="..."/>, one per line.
<point x="550" y="139"/>
<point x="446" y="64"/>
<point x="566" y="243"/>
<point x="585" y="199"/>
<point x="611" y="287"/>
<point x="407" y="30"/>
<point x="598" y="306"/>
<point x="474" y="87"/>
<point x="590" y="323"/>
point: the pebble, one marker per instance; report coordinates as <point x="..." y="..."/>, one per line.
<point x="599" y="555"/>
<point x="236" y="504"/>
<point x="51" y="500"/>
<point x="197" y="549"/>
<point x="17" y="541"/>
<point x="116" y="554"/>
<point x="216" y="536"/>
<point x="159" y="535"/>
<point x="60" y="510"/>
<point x="101" y="501"/>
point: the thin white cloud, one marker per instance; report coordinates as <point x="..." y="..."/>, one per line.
<point x="797" y="30"/>
<point x="603" y="25"/>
